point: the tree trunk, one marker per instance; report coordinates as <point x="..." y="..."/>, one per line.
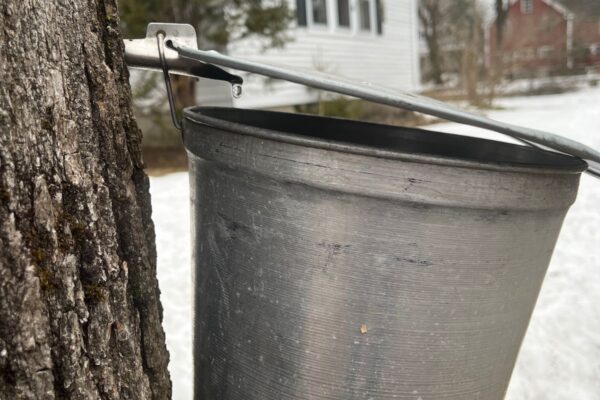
<point x="497" y="57"/>
<point x="80" y="316"/>
<point x="429" y="17"/>
<point x="501" y="15"/>
<point x="473" y="48"/>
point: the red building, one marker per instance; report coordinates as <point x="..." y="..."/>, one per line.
<point x="544" y="37"/>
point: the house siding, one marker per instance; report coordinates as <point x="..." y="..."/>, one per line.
<point x="389" y="59"/>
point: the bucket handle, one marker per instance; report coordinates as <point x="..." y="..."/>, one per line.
<point x="185" y="58"/>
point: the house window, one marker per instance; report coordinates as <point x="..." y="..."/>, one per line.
<point x="319" y="12"/>
<point x="526" y="6"/>
<point x="364" y="11"/>
<point x="545" y="52"/>
<point x="379" y="15"/>
<point x="343" y="11"/>
<point x="518" y="55"/>
<point x="368" y="15"/>
<point x="301" y="12"/>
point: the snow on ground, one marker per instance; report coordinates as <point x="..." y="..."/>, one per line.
<point x="560" y="357"/>
<point x="171" y="214"/>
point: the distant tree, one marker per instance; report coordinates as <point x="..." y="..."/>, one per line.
<point x="453" y="32"/>
<point x="496" y="66"/>
<point x="470" y="32"/>
<point x="217" y="23"/>
<point x="501" y="11"/>
<point x="431" y="20"/>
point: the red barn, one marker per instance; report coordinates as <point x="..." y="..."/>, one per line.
<point x="547" y="37"/>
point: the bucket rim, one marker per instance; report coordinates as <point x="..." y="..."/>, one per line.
<point x="565" y="163"/>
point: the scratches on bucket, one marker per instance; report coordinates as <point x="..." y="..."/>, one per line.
<point x="233" y="229"/>
<point x="333" y="249"/>
<point x="415" y="261"/>
<point x="412" y="182"/>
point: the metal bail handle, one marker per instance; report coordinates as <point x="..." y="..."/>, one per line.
<point x="185" y="58"/>
<point x="407" y="101"/>
<point x="160" y="40"/>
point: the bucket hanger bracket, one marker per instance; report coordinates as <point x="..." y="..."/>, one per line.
<point x="155" y="52"/>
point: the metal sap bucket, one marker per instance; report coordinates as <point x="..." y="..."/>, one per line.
<point x="336" y="259"/>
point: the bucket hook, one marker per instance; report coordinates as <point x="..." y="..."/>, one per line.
<point x="156" y="52"/>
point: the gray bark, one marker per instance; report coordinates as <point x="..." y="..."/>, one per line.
<point x="80" y="316"/>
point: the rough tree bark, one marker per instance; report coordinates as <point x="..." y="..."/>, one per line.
<point x="80" y="316"/>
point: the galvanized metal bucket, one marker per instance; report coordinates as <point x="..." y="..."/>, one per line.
<point x="337" y="259"/>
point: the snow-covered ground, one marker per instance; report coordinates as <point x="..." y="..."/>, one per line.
<point x="560" y="358"/>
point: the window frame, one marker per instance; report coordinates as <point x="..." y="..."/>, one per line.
<point x="301" y="14"/>
<point x="545" y="52"/>
<point x="310" y="16"/>
<point x="527" y="6"/>
<point x="372" y="31"/>
<point x="529" y="53"/>
<point x="332" y="17"/>
<point x="339" y="27"/>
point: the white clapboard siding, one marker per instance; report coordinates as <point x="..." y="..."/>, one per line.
<point x="390" y="59"/>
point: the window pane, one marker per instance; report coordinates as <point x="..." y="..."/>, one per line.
<point x="365" y="15"/>
<point x="379" y="16"/>
<point x="319" y="10"/>
<point x="301" y="12"/>
<point x="343" y="13"/>
<point x="526" y="6"/>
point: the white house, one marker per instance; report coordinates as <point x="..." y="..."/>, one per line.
<point x="368" y="40"/>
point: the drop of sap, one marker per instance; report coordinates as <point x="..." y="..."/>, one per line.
<point x="236" y="90"/>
